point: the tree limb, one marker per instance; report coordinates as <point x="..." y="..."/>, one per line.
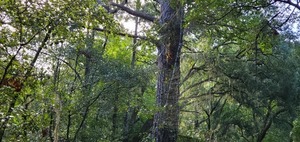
<point x="289" y="2"/>
<point x="43" y="44"/>
<point x="134" y="13"/>
<point x="119" y="33"/>
<point x="154" y="41"/>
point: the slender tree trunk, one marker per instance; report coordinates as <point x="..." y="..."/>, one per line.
<point x="68" y="126"/>
<point x="132" y="111"/>
<point x="58" y="105"/>
<point x="114" y="136"/>
<point x="6" y="119"/>
<point x="133" y="58"/>
<point x="166" y="120"/>
<point x="51" y="127"/>
<point x="84" y="117"/>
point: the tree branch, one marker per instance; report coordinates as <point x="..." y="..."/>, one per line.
<point x="297" y="5"/>
<point x="43" y="44"/>
<point x="154" y="41"/>
<point x="119" y="33"/>
<point x="134" y="13"/>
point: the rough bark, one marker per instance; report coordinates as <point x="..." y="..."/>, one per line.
<point x="166" y="120"/>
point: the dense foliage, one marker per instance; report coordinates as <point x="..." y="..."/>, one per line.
<point x="71" y="71"/>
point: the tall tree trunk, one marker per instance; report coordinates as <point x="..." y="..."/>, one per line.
<point x="133" y="58"/>
<point x="166" y="120"/>
<point x="132" y="111"/>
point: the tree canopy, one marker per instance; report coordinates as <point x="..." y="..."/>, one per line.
<point x="161" y="70"/>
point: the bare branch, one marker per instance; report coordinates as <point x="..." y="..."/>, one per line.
<point x="296" y="5"/>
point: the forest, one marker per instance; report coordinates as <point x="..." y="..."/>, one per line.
<point x="149" y="71"/>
